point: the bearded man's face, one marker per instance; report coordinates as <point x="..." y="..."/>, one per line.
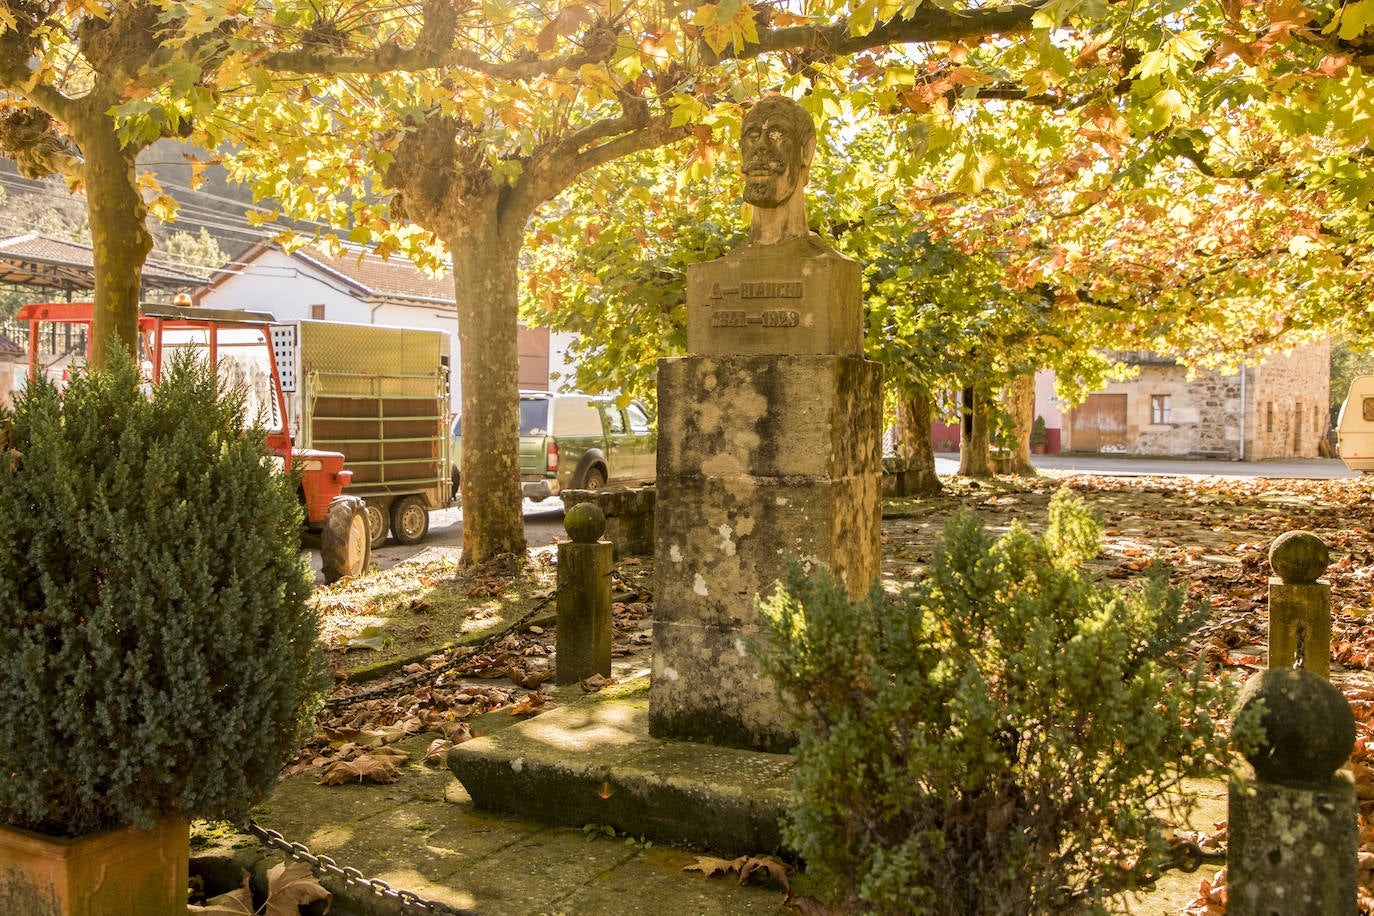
<point x="771" y="155"/>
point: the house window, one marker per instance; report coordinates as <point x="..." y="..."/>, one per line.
<point x="1161" y="409"/>
<point x="1269" y="417"/>
<point x="317" y="312"/>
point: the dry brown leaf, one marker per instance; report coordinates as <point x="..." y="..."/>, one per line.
<point x="775" y="869"/>
<point x="436" y="755"/>
<point x="367" y="768"/>
<point x="529" y="703"/>
<point x="711" y="867"/>
<point x="238" y="902"/>
<point x="291" y="885"/>
<point x="596" y="682"/>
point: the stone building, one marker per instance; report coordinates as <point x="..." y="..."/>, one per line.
<point x="1277" y="409"/>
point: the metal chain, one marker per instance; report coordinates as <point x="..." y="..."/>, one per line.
<point x="464" y="654"/>
<point x="1187" y="855"/>
<point x="324" y="865"/>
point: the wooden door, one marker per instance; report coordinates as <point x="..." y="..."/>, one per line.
<point x="1099" y="423"/>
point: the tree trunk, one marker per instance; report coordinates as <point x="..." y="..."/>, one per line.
<point x="913" y="425"/>
<point x="974" y="458"/>
<point x="1020" y="401"/>
<point x="485" y="281"/>
<point x="120" y="240"/>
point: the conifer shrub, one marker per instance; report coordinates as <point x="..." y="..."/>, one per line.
<point x="990" y="740"/>
<point x="156" y="654"/>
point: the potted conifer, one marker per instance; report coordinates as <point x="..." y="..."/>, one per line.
<point x="1039" y="436"/>
<point x="157" y="660"/>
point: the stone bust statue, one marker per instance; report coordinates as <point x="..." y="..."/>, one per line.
<point x="777" y="141"/>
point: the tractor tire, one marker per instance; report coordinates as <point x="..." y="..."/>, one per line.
<point x="409" y="520"/>
<point x="378" y="521"/>
<point x="345" y="546"/>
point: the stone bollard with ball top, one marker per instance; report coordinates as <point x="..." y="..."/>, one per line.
<point x="1299" y="605"/>
<point x="1293" y="826"/>
<point x="1292" y="831"/>
<point x="584" y="597"/>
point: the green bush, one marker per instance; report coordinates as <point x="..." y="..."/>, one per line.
<point x="988" y="741"/>
<point x="157" y="655"/>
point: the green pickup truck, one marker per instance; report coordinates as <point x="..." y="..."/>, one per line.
<point x="578" y="442"/>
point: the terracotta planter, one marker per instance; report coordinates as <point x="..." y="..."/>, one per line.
<point x="114" y="873"/>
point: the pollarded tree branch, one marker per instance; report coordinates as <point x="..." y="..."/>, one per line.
<point x="921" y="25"/>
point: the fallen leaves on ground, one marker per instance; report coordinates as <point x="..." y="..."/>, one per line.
<point x="290" y="886"/>
<point x="746" y="867"/>
<point x="379" y="766"/>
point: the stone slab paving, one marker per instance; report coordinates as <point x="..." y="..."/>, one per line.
<point x="424" y="834"/>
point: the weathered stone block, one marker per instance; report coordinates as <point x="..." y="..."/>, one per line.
<point x="629" y="515"/>
<point x="706" y="687"/>
<point x="722" y="542"/>
<point x="796" y="297"/>
<point x="769" y="416"/>
<point x="1292" y="850"/>
<point x="762" y="459"/>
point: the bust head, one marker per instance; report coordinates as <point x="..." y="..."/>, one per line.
<point x="777" y="141"/>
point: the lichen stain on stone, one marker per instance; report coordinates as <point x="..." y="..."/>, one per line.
<point x="727" y="543"/>
<point x="675" y="553"/>
<point x="699" y="585"/>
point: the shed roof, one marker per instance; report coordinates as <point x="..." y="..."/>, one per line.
<point x="367" y="274"/>
<point x="37" y="260"/>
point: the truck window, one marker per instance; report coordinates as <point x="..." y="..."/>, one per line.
<point x="639" y="420"/>
<point x="534" y="417"/>
<point x="615" y="420"/>
<point x="1367" y="408"/>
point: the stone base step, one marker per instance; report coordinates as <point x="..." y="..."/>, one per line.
<point x="594" y="762"/>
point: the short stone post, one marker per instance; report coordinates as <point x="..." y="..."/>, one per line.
<point x="1299" y="605"/>
<point x="584" y="598"/>
<point x="1292" y="834"/>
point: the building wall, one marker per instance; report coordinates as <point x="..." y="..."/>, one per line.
<point x="290" y="289"/>
<point x="1289" y="403"/>
<point x="1277" y="410"/>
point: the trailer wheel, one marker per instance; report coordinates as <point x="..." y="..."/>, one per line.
<point x="378" y="521"/>
<point x="345" y="547"/>
<point x="409" y="520"/>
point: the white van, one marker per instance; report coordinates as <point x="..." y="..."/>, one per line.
<point x="1355" y="427"/>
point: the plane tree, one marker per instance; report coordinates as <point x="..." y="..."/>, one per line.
<point x="465" y="119"/>
<point x="85" y="86"/>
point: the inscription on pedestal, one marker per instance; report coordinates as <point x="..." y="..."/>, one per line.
<point x="795" y="298"/>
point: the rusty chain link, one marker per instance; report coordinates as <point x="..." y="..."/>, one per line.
<point x="463" y="654"/>
<point x="323" y="865"/>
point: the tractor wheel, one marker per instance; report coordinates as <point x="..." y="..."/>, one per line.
<point x="409" y="520"/>
<point x="345" y="547"/>
<point x="378" y="521"/>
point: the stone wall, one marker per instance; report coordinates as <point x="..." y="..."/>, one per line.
<point x="1284" y="415"/>
<point x="1290" y="402"/>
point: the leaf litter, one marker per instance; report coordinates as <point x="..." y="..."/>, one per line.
<point x="1211" y="535"/>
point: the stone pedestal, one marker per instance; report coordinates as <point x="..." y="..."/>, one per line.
<point x="584" y="598"/>
<point x="1292" y="849"/>
<point x="761" y="459"/>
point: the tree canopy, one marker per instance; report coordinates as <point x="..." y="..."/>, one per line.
<point x="1192" y="176"/>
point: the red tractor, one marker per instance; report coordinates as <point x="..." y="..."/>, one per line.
<point x="239" y="343"/>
